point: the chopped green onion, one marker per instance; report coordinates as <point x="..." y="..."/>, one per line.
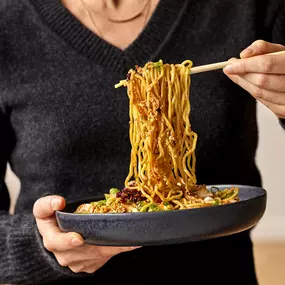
<point x="158" y="64"/>
<point x="154" y="208"/>
<point x="114" y="191"/>
<point x="218" y="201"/>
<point x="101" y="203"/>
<point x="145" y="207"/>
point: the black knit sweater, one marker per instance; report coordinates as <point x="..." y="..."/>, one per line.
<point x="64" y="128"/>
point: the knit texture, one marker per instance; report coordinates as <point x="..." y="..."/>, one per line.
<point x="64" y="128"/>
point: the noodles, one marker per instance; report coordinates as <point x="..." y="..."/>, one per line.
<point x="162" y="161"/>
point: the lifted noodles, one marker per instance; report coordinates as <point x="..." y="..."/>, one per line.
<point x="162" y="166"/>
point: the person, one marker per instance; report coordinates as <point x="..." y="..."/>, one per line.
<point x="64" y="128"/>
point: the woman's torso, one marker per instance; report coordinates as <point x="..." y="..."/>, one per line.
<point x="70" y="125"/>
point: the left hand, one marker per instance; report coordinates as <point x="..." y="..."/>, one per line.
<point x="263" y="76"/>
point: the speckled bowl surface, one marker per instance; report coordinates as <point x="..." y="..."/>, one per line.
<point x="170" y="227"/>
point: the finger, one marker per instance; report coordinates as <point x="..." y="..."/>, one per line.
<point x="72" y="257"/>
<point x="261" y="47"/>
<point x="46" y="206"/>
<point x="54" y="239"/>
<point x="86" y="266"/>
<point x="86" y="252"/>
<point x="259" y="93"/>
<point x="107" y="251"/>
<point x="274" y="64"/>
<point x="266" y="81"/>
<point x="91" y="269"/>
<point x="277" y="109"/>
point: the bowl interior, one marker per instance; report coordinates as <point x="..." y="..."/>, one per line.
<point x="246" y="193"/>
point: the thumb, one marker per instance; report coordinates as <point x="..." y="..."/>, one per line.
<point x="46" y="206"/>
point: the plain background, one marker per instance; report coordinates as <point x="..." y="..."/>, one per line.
<point x="271" y="161"/>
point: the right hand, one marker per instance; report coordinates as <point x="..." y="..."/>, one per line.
<point x="69" y="248"/>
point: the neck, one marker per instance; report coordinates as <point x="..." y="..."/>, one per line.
<point x="119" y="27"/>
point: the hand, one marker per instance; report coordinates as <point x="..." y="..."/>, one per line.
<point x="69" y="248"/>
<point x="262" y="76"/>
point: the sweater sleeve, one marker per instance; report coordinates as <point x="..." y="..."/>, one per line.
<point x="278" y="34"/>
<point x="23" y="259"/>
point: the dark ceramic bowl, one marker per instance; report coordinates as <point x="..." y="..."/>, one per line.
<point x="158" y="228"/>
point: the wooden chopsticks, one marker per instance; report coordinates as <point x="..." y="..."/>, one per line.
<point x="220" y="65"/>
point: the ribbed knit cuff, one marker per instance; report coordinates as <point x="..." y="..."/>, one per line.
<point x="24" y="260"/>
<point x="60" y="271"/>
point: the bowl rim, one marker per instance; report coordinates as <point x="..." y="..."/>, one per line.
<point x="262" y="194"/>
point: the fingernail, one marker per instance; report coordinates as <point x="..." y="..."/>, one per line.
<point x="229" y="69"/>
<point x="247" y="52"/>
<point x="76" y="241"/>
<point x="55" y="202"/>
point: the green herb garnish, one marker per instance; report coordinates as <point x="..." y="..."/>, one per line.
<point x="114" y="191"/>
<point x="154" y="208"/>
<point x="101" y="203"/>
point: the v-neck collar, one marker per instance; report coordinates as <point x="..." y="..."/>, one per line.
<point x="145" y="47"/>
